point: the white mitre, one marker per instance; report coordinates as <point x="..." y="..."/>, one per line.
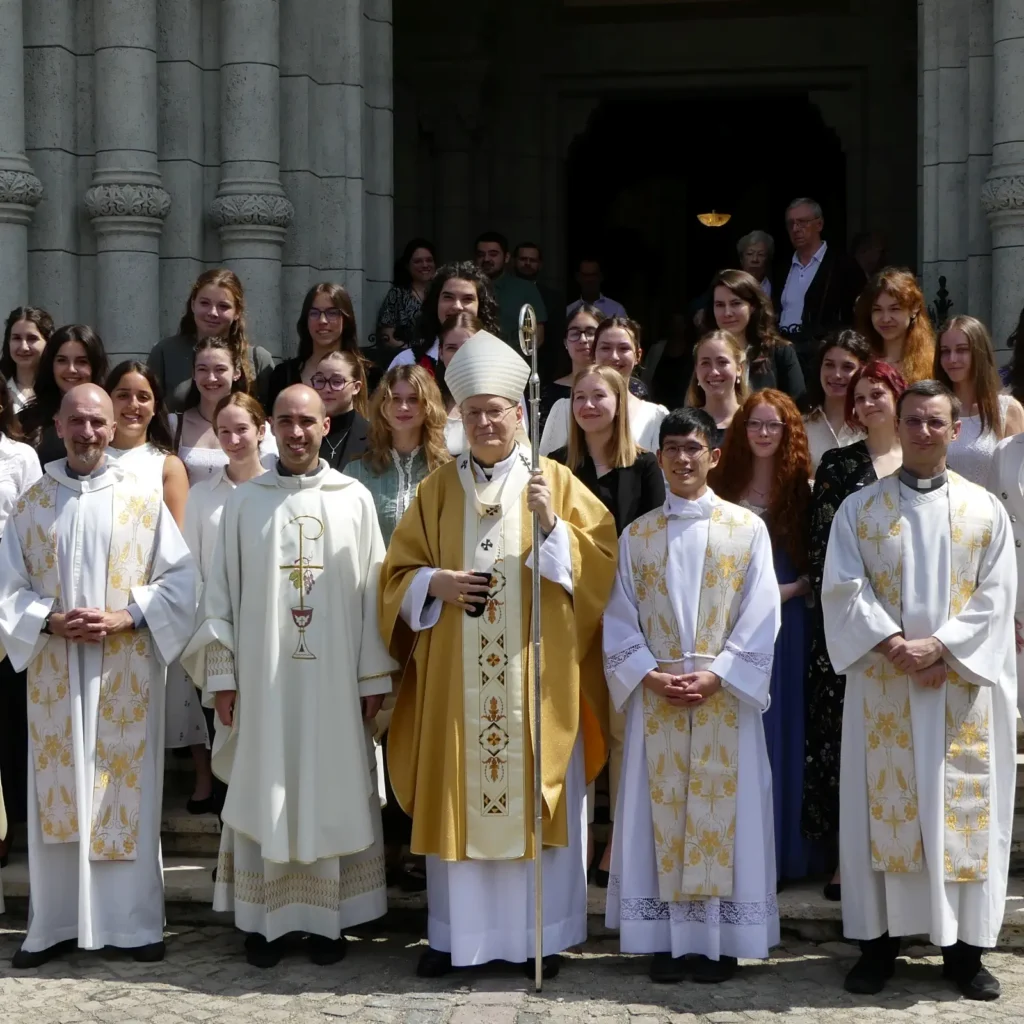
<point x="485" y="365"/>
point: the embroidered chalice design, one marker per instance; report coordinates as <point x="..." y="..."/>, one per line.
<point x="300" y="575"/>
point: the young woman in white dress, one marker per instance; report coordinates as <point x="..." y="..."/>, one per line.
<point x="26" y="333"/>
<point x="616" y="344"/>
<point x="217" y="371"/>
<point x="719" y="384"/>
<point x="966" y="363"/>
<point x="142" y="444"/>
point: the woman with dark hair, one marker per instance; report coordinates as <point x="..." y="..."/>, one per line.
<point x="737" y="304"/>
<point x="19" y="469"/>
<point x="456" y="288"/>
<point x="26" y="333"/>
<point x="892" y="315"/>
<point x="766" y="468"/>
<point x="73" y="355"/>
<point x="579" y="353"/>
<point x="326" y="324"/>
<point x="340" y="381"/>
<point x="840" y="356"/>
<point x="414" y="270"/>
<point x="870" y="406"/>
<point x="215" y="309"/>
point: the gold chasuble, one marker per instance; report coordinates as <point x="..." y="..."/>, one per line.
<point x="460" y="749"/>
<point x="896" y="843"/>
<point x="692" y="753"/>
<point x="124" y="683"/>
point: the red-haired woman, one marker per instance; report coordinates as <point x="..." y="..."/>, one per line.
<point x="870" y="406"/>
<point x="892" y="315"/>
<point x="766" y="468"/>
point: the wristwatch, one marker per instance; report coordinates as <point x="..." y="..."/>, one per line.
<point x="46" y="624"/>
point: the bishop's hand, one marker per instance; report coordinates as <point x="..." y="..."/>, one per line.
<point x="538" y="499"/>
<point x="461" y="588"/>
<point x="224" y="703"/>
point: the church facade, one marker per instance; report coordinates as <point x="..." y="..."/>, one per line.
<point x="142" y="141"/>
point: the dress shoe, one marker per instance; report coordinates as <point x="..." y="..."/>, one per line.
<point x="712" y="972"/>
<point x="833" y="892"/>
<point x="148" y="954"/>
<point x="323" y="951"/>
<point x="550" y="968"/>
<point x="667" y="969"/>
<point x="207" y="806"/>
<point x="433" y="963"/>
<point x="962" y="965"/>
<point x="24" y="960"/>
<point x="260" y="953"/>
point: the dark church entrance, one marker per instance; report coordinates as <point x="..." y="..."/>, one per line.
<point x="643" y="170"/>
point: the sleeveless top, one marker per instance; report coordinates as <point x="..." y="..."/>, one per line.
<point x="971" y="453"/>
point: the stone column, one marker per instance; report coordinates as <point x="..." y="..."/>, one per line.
<point x="1003" y="194"/>
<point x="929" y="22"/>
<point x="251" y="210"/>
<point x="979" y="241"/>
<point x="20" y="189"/>
<point x="126" y="203"/>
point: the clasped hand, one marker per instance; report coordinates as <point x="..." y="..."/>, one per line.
<point x="90" y="625"/>
<point x="922" y="659"/>
<point x="683" y="690"/>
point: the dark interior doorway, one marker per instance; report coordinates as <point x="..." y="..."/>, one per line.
<point x="645" y="167"/>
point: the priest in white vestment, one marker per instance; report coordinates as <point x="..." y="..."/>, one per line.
<point x="97" y="596"/>
<point x="458" y="575"/>
<point x="918" y="595"/>
<point x="289" y="647"/>
<point x="689" y="639"/>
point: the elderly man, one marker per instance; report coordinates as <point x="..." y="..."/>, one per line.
<point x="458" y="574"/>
<point x="97" y="592"/>
<point x="289" y="653"/>
<point x="918" y="595"/>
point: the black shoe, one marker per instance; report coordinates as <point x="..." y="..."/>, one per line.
<point x="207" y="806"/>
<point x="149" y="954"/>
<point x="982" y="987"/>
<point x="260" y="953"/>
<point x="600" y="878"/>
<point x="869" y="975"/>
<point x="833" y="892"/>
<point x="552" y="965"/>
<point x="413" y="878"/>
<point x="23" y="960"/>
<point x="962" y="965"/>
<point x="713" y="972"/>
<point x="433" y="963"/>
<point x="323" y="951"/>
<point x="667" y="969"/>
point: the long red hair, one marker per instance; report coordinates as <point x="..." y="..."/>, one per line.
<point x="789" y="504"/>
<point x="918" y="355"/>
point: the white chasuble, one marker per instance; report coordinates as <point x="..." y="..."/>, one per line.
<point x="927" y="774"/>
<point x="95" y="710"/>
<point x="288" y="620"/>
<point x="692" y="754"/>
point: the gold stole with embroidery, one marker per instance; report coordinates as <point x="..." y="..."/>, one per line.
<point x="124" y="682"/>
<point x="492" y="666"/>
<point x="895" y="827"/>
<point x="692" y="754"/>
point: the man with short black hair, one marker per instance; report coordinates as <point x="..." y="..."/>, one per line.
<point x="589" y="278"/>
<point x="512" y="292"/>
<point x="691" y="663"/>
<point x="918" y="595"/>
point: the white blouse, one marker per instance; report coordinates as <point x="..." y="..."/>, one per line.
<point x="644" y="423"/>
<point x="19" y="469"/>
<point x="822" y="438"/>
<point x="202" y="517"/>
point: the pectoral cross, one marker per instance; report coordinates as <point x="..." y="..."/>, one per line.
<point x="303" y="616"/>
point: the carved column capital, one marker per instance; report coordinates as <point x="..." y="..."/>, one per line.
<point x="20" y="192"/>
<point x="122" y="203"/>
<point x="252" y="209"/>
<point x="1003" y="194"/>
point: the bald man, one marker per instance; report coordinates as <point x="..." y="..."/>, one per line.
<point x="97" y="596"/>
<point x="289" y="653"/>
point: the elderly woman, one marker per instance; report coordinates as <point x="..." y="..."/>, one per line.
<point x="756" y="252"/>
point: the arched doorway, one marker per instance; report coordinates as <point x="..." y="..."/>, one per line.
<point x="646" y="166"/>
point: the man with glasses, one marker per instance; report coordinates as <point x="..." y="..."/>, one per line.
<point x="918" y="594"/>
<point x="689" y="639"/>
<point x="456" y="598"/>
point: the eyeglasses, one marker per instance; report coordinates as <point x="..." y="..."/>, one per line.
<point x="577" y="333"/>
<point x="773" y="427"/>
<point x="691" y="450"/>
<point x="335" y="383"/>
<point x="490" y="415"/>
<point x="936" y="426"/>
<point x="800" y="221"/>
<point x="332" y="316"/>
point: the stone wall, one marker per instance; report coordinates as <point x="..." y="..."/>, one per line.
<point x="156" y="138"/>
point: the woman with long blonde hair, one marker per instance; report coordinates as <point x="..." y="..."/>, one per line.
<point x="966" y="364"/>
<point x="892" y="315"/>
<point x="719" y="383"/>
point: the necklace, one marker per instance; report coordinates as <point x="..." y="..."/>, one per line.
<point x="334" y="447"/>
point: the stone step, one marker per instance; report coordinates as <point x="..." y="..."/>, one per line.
<point x="188" y="890"/>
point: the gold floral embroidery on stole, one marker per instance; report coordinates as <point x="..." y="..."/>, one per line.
<point x="894" y="823"/>
<point x="692" y="754"/>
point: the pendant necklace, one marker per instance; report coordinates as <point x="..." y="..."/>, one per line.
<point x="334" y="447"/>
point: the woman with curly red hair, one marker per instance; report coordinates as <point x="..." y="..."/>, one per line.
<point x="766" y="468"/>
<point x="892" y="315"/>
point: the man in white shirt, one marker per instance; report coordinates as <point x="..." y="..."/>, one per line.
<point x="804" y="222"/>
<point x="589" y="278"/>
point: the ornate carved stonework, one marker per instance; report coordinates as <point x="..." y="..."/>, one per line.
<point x="1003" y="194"/>
<point x="21" y="187"/>
<point x="264" y="209"/>
<point x="128" y="200"/>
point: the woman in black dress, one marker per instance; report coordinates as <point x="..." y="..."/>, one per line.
<point x="602" y="453"/>
<point x="871" y="405"/>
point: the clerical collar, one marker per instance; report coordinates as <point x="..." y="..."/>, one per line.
<point x="677" y="507"/>
<point x="488" y="472"/>
<point x="101" y="468"/>
<point x="283" y="471"/>
<point x="923" y="484"/>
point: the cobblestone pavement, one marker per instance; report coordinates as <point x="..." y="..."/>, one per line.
<point x="205" y="980"/>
